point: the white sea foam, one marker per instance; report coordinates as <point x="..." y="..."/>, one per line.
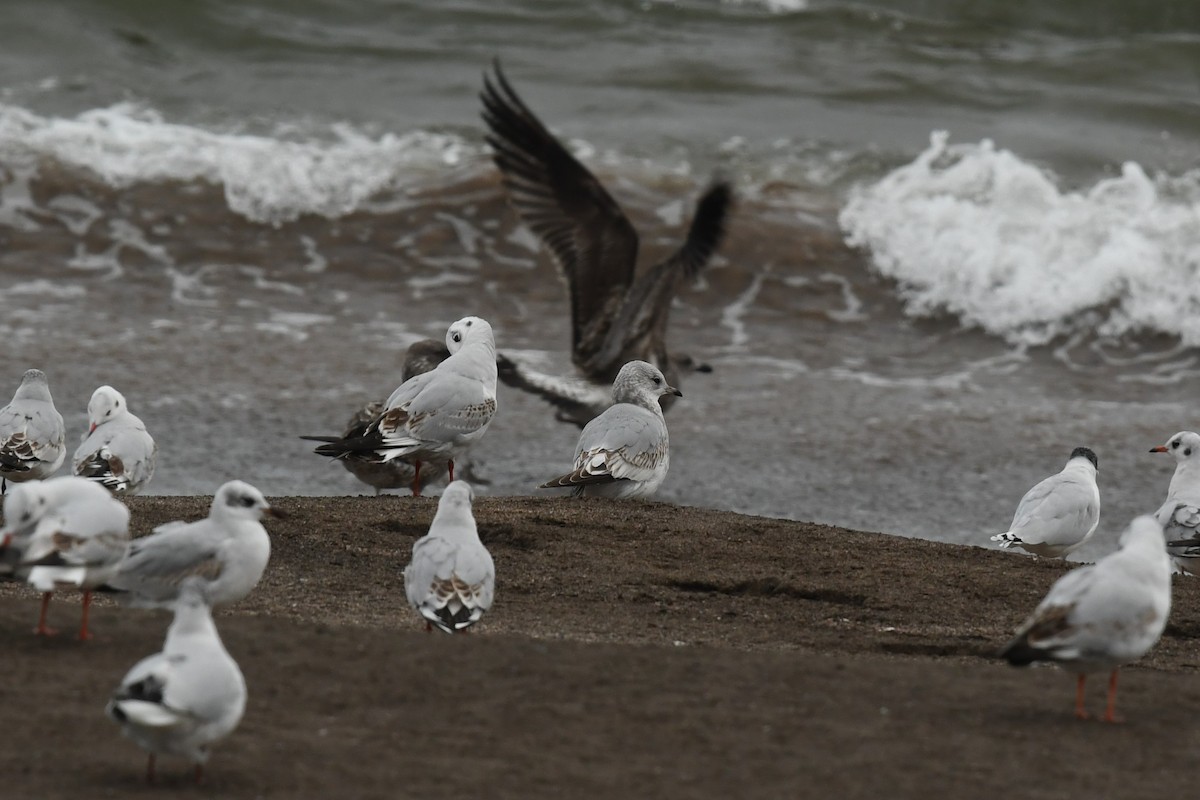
<point x="47" y="289"/>
<point x="265" y="179"/>
<point x="774" y="6"/>
<point x="976" y="231"/>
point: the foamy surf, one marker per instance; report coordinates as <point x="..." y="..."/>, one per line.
<point x="265" y="179"/>
<point x="979" y="233"/>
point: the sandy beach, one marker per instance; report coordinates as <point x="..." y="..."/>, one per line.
<point x="635" y="649"/>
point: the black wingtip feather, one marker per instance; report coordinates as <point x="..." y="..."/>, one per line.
<point x="708" y="227"/>
<point x="1018" y="653"/>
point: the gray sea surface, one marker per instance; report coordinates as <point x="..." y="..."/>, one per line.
<point x="240" y="214"/>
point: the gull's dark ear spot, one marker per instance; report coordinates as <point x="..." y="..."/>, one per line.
<point x="243" y="500"/>
<point x="1187" y="451"/>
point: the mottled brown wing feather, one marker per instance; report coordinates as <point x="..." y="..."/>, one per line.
<point x="590" y="238"/>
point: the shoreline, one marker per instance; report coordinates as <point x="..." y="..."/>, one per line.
<point x="634" y="647"/>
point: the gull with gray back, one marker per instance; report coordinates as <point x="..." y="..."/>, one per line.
<point x="117" y="452"/>
<point x="1060" y="513"/>
<point x="185" y="698"/>
<point x="436" y="416"/>
<point x="1102" y="616"/>
<point x="32" y="437"/>
<point x="63" y="534"/>
<point x="451" y="579"/>
<point x="625" y="451"/>
<point x="1180" y="512"/>
<point x="398" y="473"/>
<point x="228" y="551"/>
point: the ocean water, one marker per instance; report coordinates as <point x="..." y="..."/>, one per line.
<point x="967" y="236"/>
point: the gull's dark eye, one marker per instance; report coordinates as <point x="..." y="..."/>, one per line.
<point x="247" y="501"/>
<point x="658" y="381"/>
<point x="108" y="413"/>
<point x="456" y="336"/>
<point x="1174" y="444"/>
<point x="26" y="516"/>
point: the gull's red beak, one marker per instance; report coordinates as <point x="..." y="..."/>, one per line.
<point x="1162" y="448"/>
<point x="91" y="429"/>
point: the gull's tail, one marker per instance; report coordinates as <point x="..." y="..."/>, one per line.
<point x="1006" y="539"/>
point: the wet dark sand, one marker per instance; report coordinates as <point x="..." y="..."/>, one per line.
<point x="634" y="650"/>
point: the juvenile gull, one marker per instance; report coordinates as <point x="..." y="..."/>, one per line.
<point x="228" y="550"/>
<point x="420" y="357"/>
<point x="117" y="452"/>
<point x="1102" y="616"/>
<point x="624" y="452"/>
<point x="63" y="533"/>
<point x="1180" y="512"/>
<point x="436" y="416"/>
<point x="1059" y="514"/>
<point x="451" y="579"/>
<point x="617" y="315"/>
<point x="183" y="699"/>
<point x="32" y="437"/>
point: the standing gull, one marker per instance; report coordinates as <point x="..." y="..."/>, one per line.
<point x="1060" y="513"/>
<point x="183" y="699"/>
<point x="616" y="315"/>
<point x="117" y="452"/>
<point x="32" y="437"/>
<point x="228" y="550"/>
<point x="64" y="533"/>
<point x="420" y="357"/>
<point x="1102" y="616"/>
<point x="1180" y="513"/>
<point x="436" y="416"/>
<point x="451" y="579"/>
<point x="624" y="452"/>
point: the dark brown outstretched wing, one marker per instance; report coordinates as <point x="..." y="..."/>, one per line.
<point x="591" y="240"/>
<point x="640" y="327"/>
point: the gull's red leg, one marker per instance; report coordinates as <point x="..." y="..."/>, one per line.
<point x="1080" y="711"/>
<point x="84" y="633"/>
<point x="451" y="470"/>
<point x="416" y="487"/>
<point x="41" y="629"/>
<point x="1110" y="712"/>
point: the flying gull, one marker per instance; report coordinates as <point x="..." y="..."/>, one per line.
<point x="617" y="314"/>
